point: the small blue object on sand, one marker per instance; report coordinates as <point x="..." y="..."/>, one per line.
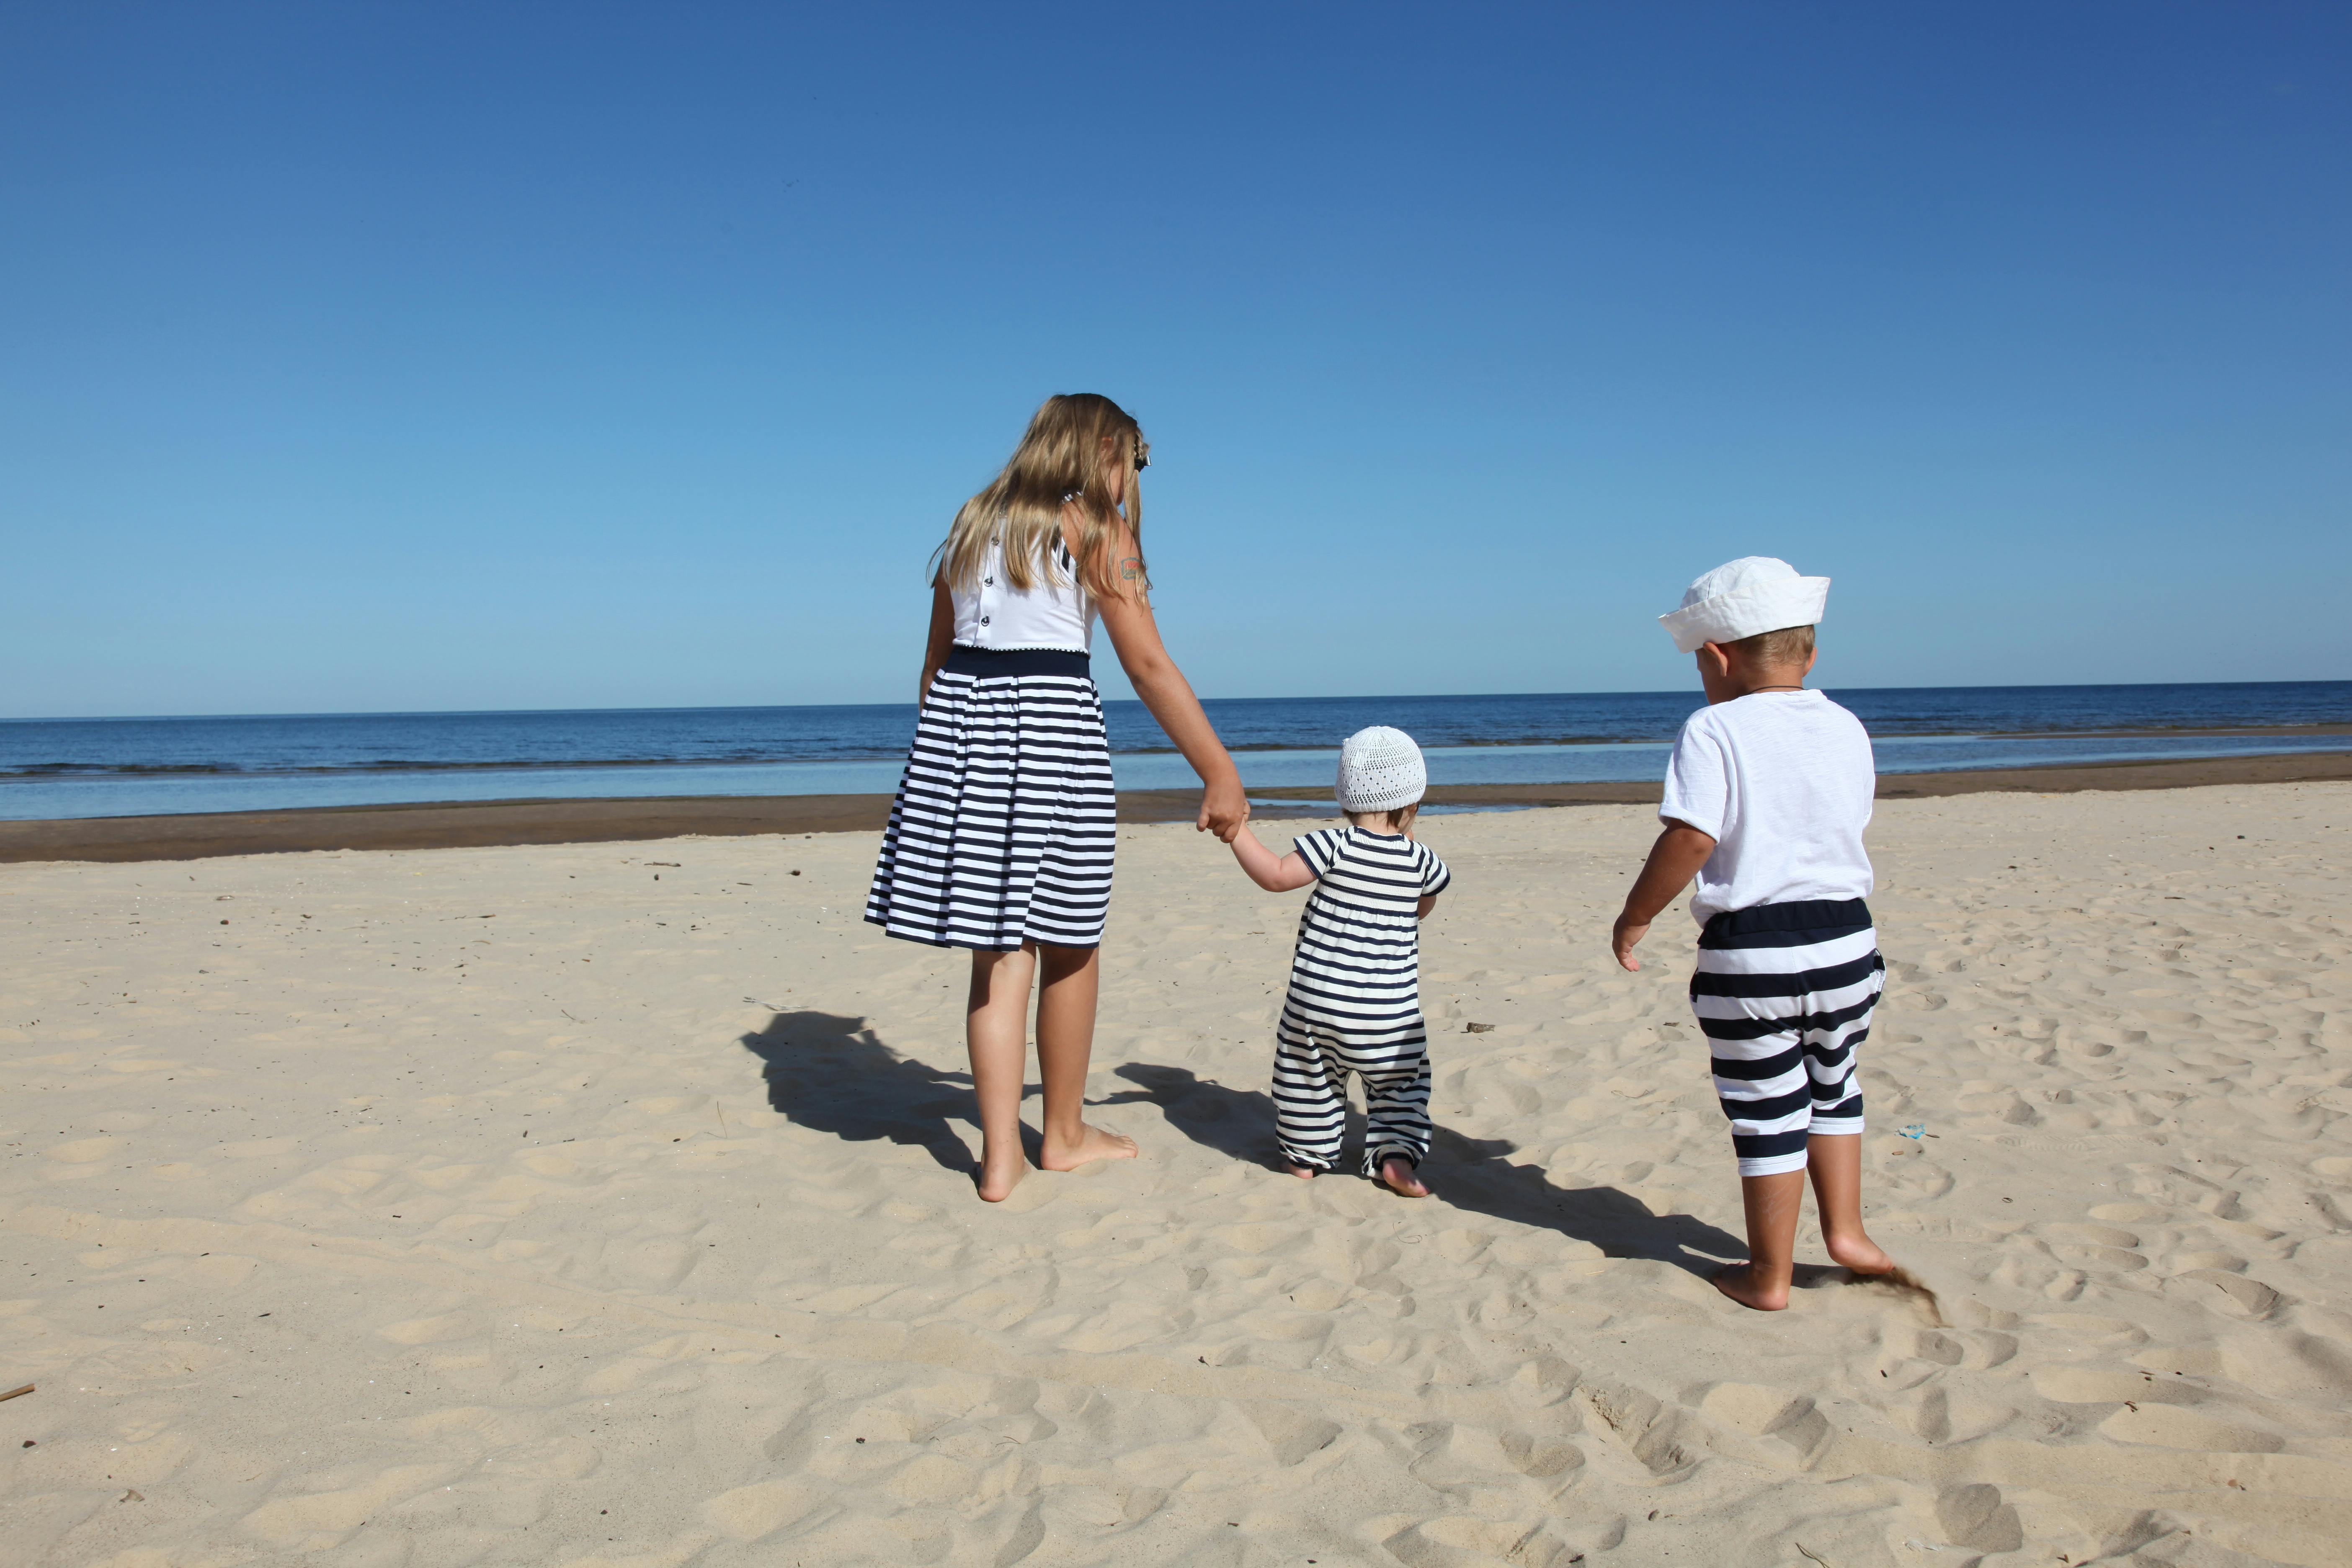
<point x="1916" y="1131"/>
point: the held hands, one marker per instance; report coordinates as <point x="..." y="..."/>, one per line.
<point x="1224" y="808"/>
<point x="1623" y="936"/>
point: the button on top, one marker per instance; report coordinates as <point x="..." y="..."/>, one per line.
<point x="984" y="620"/>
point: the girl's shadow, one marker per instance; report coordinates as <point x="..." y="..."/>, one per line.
<point x="831" y="1074"/>
<point x="1467" y="1173"/>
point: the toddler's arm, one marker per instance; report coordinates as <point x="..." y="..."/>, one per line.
<point x="1673" y="860"/>
<point x="1285" y="875"/>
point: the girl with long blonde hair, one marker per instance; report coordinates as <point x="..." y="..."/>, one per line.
<point x="1002" y="835"/>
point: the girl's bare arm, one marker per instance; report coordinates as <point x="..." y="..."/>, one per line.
<point x="1165" y="692"/>
<point x="942" y="637"/>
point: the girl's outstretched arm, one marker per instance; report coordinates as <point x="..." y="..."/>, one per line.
<point x="942" y="637"/>
<point x="1165" y="692"/>
<point x="1285" y="875"/>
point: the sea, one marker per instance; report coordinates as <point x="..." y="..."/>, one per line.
<point x="128" y="767"/>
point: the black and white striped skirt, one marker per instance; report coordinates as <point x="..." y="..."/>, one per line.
<point x="1005" y="822"/>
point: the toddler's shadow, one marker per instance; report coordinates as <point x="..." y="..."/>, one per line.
<point x="833" y="1074"/>
<point x="1467" y="1173"/>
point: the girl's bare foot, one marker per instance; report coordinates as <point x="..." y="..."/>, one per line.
<point x="1093" y="1144"/>
<point x="1397" y="1174"/>
<point x="1739" y="1282"/>
<point x="1858" y="1254"/>
<point x="999" y="1177"/>
<point x="1304" y="1172"/>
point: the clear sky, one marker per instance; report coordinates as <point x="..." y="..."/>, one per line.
<point x="418" y="356"/>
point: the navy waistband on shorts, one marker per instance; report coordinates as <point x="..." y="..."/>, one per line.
<point x="1823" y="915"/>
<point x="963" y="660"/>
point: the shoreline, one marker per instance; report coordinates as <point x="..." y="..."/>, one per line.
<point x="198" y="836"/>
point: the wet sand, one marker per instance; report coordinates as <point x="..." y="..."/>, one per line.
<point x="476" y="825"/>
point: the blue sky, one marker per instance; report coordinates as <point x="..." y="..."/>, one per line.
<point x="410" y="356"/>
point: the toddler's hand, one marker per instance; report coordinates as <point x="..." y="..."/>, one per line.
<point x="1225" y="807"/>
<point x="1623" y="938"/>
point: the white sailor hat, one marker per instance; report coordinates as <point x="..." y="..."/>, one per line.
<point x="1741" y="598"/>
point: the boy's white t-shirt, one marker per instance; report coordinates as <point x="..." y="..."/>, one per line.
<point x="1782" y="781"/>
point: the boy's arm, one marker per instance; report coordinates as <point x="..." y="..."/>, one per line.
<point x="1428" y="902"/>
<point x="1285" y="875"/>
<point x="1673" y="860"/>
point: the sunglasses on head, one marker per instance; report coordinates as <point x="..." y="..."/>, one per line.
<point x="1142" y="457"/>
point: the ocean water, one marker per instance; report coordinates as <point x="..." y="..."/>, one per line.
<point x="117" y="767"/>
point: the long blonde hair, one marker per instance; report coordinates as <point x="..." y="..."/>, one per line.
<point x="1066" y="455"/>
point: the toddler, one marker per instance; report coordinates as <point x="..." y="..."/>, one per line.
<point x="1354" y="1004"/>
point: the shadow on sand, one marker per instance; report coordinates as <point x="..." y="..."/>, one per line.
<point x="1468" y="1172"/>
<point x="831" y="1074"/>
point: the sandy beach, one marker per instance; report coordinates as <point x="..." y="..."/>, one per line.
<point x="317" y="1171"/>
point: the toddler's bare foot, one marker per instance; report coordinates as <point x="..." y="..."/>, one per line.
<point x="1093" y="1144"/>
<point x="1739" y="1283"/>
<point x="1859" y="1254"/>
<point x="998" y="1177"/>
<point x="1304" y="1172"/>
<point x="1399" y="1176"/>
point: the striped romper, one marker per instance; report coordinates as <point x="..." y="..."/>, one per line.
<point x="1354" y="1004"/>
<point x="1005" y="825"/>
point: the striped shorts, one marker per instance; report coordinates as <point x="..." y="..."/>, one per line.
<point x="1784" y="993"/>
<point x="1005" y="824"/>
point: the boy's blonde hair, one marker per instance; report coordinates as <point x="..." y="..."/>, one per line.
<point x="1790" y="645"/>
<point x="1061" y="458"/>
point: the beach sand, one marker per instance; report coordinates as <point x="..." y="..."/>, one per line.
<point x="317" y="1172"/>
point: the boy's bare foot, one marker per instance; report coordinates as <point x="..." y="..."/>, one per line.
<point x="1739" y="1283"/>
<point x="1093" y="1144"/>
<point x="1304" y="1172"/>
<point x="999" y="1177"/>
<point x="1399" y="1176"/>
<point x="1859" y="1255"/>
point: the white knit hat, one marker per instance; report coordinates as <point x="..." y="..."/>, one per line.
<point x="1381" y="769"/>
<point x="1745" y="597"/>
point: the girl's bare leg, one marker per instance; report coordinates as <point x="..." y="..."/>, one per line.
<point x="1066" y="1045"/>
<point x="996" y="1030"/>
<point x="1836" y="1167"/>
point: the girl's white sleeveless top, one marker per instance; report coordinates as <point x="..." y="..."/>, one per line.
<point x="994" y="614"/>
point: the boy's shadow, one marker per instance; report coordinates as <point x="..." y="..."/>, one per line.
<point x="1467" y="1173"/>
<point x="831" y="1074"/>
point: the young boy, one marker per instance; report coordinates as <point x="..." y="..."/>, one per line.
<point x="1767" y="794"/>
<point x="1355" y="979"/>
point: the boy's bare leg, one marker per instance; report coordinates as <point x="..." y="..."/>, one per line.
<point x="1772" y="1202"/>
<point x="1066" y="1045"/>
<point x="1836" y="1166"/>
<point x="996" y="1031"/>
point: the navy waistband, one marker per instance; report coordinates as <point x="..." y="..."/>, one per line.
<point x="986" y="661"/>
<point x="1800" y="914"/>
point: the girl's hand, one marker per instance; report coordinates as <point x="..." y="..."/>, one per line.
<point x="1225" y="807"/>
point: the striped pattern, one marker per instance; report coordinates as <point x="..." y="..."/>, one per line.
<point x="1354" y="1004"/>
<point x="1004" y="827"/>
<point x="1784" y="993"/>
